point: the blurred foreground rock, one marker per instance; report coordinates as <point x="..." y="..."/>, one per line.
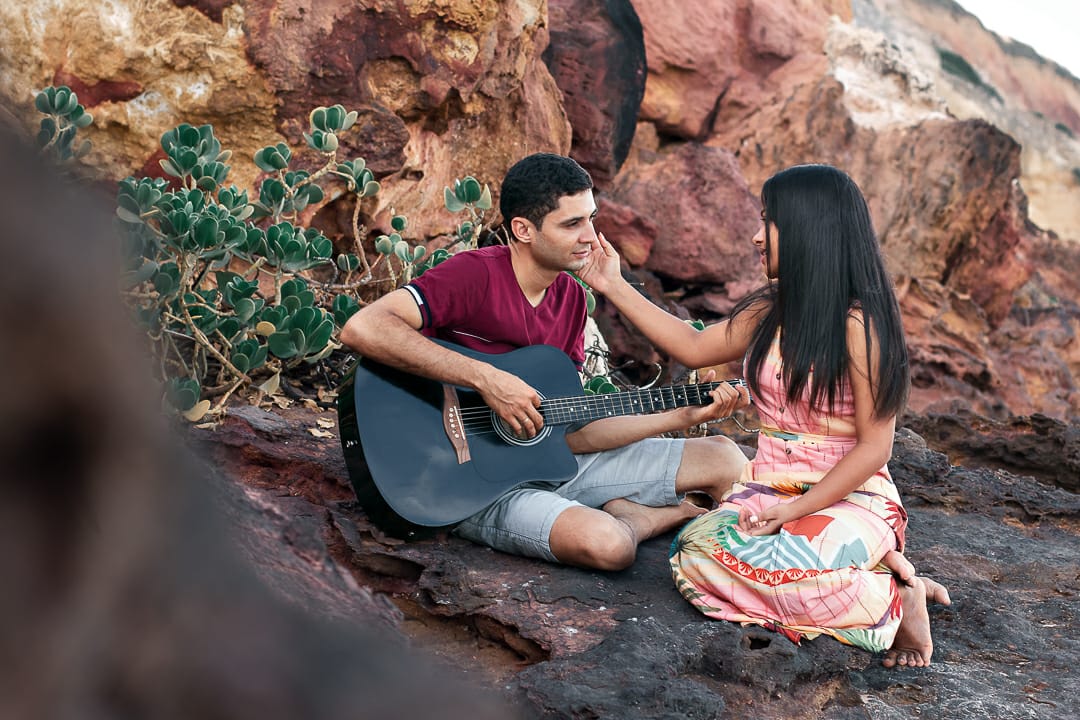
<point x="137" y="581"/>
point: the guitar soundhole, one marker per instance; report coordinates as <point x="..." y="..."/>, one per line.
<point x="507" y="433"/>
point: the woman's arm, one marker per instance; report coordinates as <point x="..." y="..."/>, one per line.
<point x="873" y="446"/>
<point x="717" y="344"/>
<point x="610" y="433"/>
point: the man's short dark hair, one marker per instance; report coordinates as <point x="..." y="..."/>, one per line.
<point x="533" y="186"/>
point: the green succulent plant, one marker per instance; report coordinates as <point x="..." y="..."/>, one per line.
<point x="304" y="334"/>
<point x="223" y="282"/>
<point x="468" y="195"/>
<point x="64" y="117"/>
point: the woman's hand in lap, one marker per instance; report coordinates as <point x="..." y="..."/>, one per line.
<point x="766" y="522"/>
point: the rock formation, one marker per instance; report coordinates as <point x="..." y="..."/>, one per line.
<point x="449" y="88"/>
<point x="136" y="582"/>
<point x="717" y="96"/>
<point x="563" y="642"/>
<point x="981" y="75"/>
<point x="945" y="194"/>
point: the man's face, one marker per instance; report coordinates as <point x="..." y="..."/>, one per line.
<point x="566" y="234"/>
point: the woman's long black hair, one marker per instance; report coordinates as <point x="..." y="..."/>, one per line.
<point x="829" y="263"/>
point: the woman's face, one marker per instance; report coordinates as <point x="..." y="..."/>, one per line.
<point x="770" y="256"/>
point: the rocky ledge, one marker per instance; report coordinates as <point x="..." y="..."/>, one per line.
<point x="558" y="642"/>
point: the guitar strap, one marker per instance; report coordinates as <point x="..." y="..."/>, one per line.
<point x="452" y="423"/>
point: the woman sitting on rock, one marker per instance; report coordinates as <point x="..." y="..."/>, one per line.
<point x="809" y="541"/>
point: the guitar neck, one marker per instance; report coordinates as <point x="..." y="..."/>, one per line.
<point x="586" y="408"/>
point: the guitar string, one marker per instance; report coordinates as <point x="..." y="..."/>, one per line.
<point x="670" y="390"/>
<point x="478" y="420"/>
<point x="598" y="402"/>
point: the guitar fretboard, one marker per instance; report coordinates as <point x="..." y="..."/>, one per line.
<point x="586" y="408"/>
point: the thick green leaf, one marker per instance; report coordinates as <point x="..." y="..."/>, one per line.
<point x="42" y="103"/>
<point x="241" y="362"/>
<point x="164" y="283"/>
<point x="344" y="307"/>
<point x="321" y="247"/>
<point x="484" y="203"/>
<point x="299" y="340"/>
<point x="470" y="189"/>
<point x="183" y="393"/>
<point x="282" y="345"/>
<point x="320" y="336"/>
<point x="206" y="233"/>
<point x="453" y="204"/>
<point x="128" y="216"/>
<point x="245" y="309"/>
<point x="348" y="262"/>
<point x="141" y="274"/>
<point x="595" y="383"/>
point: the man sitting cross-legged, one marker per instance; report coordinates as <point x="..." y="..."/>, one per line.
<point x="629" y="485"/>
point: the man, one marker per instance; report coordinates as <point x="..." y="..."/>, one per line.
<point x="629" y="485"/>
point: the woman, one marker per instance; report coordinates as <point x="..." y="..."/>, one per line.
<point x="809" y="541"/>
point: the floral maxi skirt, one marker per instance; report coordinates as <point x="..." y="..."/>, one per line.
<point x="820" y="574"/>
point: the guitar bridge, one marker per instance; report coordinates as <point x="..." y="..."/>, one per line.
<point x="454" y="425"/>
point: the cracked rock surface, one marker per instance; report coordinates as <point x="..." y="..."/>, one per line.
<point x="559" y="642"/>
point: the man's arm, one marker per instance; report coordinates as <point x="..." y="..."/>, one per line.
<point x="611" y="433"/>
<point x="388" y="331"/>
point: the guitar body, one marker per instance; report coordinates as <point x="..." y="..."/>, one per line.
<point x="402" y="465"/>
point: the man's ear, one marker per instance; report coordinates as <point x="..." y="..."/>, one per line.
<point x="523" y="229"/>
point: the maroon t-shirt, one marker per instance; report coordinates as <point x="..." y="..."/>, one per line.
<point x="473" y="299"/>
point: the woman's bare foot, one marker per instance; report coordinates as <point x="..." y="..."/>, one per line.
<point x="901" y="567"/>
<point x="913" y="644"/>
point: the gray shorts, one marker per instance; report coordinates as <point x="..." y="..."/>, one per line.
<point x="520" y="521"/>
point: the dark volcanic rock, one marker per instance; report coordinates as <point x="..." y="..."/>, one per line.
<point x="1040" y="446"/>
<point x="583" y="644"/>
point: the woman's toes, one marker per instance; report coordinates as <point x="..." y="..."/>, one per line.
<point x="936" y="592"/>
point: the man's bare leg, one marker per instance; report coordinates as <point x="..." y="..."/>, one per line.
<point x="607" y="539"/>
<point x="709" y="465"/>
<point x="645" y="522"/>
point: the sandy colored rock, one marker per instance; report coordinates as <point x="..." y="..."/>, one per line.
<point x="1033" y="99"/>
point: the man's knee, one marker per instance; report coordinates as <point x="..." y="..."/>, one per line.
<point x="722" y="446"/>
<point x="604" y="543"/>
<point x="710" y="464"/>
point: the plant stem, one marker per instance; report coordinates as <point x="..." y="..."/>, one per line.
<point x="357" y="241"/>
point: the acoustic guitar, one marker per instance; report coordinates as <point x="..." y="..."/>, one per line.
<point x="423" y="456"/>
